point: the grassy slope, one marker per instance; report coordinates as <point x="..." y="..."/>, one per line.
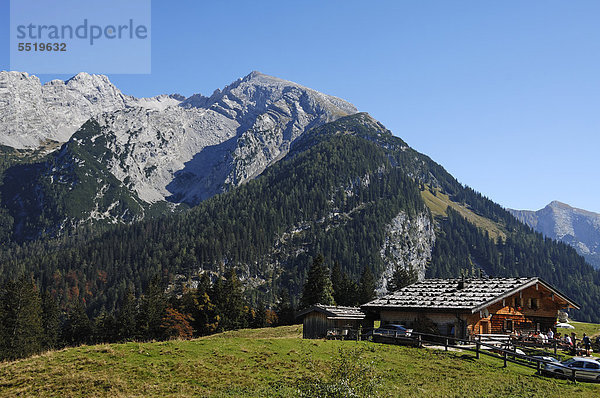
<point x="591" y="329"/>
<point x="438" y="204"/>
<point x="265" y="362"/>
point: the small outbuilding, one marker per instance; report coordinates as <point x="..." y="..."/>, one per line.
<point x="319" y="319"/>
<point x="463" y="308"/>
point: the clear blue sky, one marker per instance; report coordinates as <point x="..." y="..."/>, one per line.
<point x="504" y="94"/>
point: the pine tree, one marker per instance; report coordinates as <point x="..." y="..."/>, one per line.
<point x="402" y="277"/>
<point x="337" y="283"/>
<point x="152" y="310"/>
<point x="126" y="318"/>
<point x="317" y="288"/>
<point x="78" y="328"/>
<point x="21" y="332"/>
<point x="366" y="290"/>
<point x="231" y="306"/>
<point x="105" y="328"/>
<point x="286" y="314"/>
<point x="50" y="321"/>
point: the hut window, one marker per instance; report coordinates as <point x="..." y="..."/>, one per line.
<point x="534" y="303"/>
<point x="518" y="302"/>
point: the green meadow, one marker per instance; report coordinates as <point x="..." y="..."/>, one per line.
<point x="274" y="362"/>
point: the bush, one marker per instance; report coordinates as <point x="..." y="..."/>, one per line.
<point x="351" y="375"/>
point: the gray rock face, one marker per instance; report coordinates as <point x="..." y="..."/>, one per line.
<point x="190" y="152"/>
<point x="576" y="227"/>
<point x="32" y="113"/>
<point x="408" y="243"/>
<point x="168" y="148"/>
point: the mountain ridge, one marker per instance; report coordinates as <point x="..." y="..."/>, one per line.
<point x="577" y="227"/>
<point x="347" y="190"/>
<point x="33" y="113"/>
<point x="272" y="174"/>
<point x="162" y="150"/>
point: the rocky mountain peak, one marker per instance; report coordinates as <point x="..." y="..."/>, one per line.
<point x="559" y="205"/>
<point x="33" y="113"/>
<point x="167" y="147"/>
<point x="576" y="227"/>
<point x="86" y="78"/>
<point x="253" y="75"/>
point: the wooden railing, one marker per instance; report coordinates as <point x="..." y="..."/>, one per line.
<point x="478" y="347"/>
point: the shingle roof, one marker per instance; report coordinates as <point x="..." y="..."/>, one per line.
<point x="336" y="312"/>
<point x="444" y="294"/>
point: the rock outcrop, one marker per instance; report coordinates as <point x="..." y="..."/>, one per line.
<point x="408" y="244"/>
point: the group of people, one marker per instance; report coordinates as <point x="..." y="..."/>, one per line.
<point x="567" y="341"/>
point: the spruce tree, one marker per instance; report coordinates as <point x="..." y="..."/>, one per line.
<point x="366" y="290"/>
<point x="286" y="313"/>
<point x="345" y="290"/>
<point x="337" y="282"/>
<point x="126" y="318"/>
<point x="50" y="321"/>
<point x="77" y="329"/>
<point x="105" y="328"/>
<point x="402" y="277"/>
<point x="317" y="288"/>
<point x="152" y="310"/>
<point x="231" y="306"/>
<point x="21" y="332"/>
<point x="260" y="316"/>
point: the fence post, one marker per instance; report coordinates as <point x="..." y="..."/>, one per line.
<point x="477" y="349"/>
<point x="420" y="342"/>
<point x="554" y="344"/>
<point x="539" y="370"/>
<point x="504" y="358"/>
<point x="446" y="345"/>
<point x="573" y="375"/>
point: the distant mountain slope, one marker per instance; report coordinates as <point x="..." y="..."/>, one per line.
<point x="147" y="155"/>
<point x="260" y="177"/>
<point x="65" y="189"/>
<point x="348" y="189"/>
<point x="341" y="197"/>
<point x="209" y="144"/>
<point x="576" y="227"/>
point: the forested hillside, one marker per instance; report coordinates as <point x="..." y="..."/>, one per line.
<point x="334" y="193"/>
<point x="463" y="248"/>
<point x="334" y="198"/>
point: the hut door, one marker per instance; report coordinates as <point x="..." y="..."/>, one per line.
<point x="461" y="329"/>
<point x="485" y="327"/>
<point x="509" y="325"/>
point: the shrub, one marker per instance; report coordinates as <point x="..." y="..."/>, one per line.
<point x="351" y="375"/>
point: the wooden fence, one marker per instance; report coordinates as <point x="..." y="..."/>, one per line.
<point x="505" y="354"/>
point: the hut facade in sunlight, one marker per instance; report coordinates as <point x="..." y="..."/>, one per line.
<point x="463" y="308"/>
